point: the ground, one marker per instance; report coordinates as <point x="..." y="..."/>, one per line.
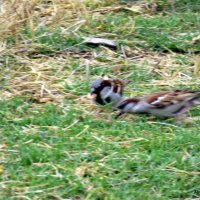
<point x="52" y="143"/>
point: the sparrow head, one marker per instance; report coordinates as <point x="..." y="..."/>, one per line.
<point x="105" y="91"/>
<point x="97" y="85"/>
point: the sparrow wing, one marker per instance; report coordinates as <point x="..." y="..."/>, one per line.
<point x="166" y="98"/>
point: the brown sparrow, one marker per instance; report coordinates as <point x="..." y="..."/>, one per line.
<point x="164" y="104"/>
<point x="107" y="91"/>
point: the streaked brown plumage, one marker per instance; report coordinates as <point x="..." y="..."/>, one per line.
<point x="165" y="103"/>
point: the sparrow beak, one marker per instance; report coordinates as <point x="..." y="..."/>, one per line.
<point x="92" y="96"/>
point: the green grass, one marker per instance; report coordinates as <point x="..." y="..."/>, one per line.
<point x="170" y="32"/>
<point x="60" y="149"/>
<point x="95" y="159"/>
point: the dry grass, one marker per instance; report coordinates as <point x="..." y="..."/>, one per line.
<point x="44" y="77"/>
<point x="15" y="14"/>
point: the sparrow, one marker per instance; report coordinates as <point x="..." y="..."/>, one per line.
<point x="173" y="103"/>
<point x="107" y="91"/>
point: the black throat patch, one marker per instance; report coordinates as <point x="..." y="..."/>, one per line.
<point x="99" y="98"/>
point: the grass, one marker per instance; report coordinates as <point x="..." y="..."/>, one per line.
<point x="52" y="145"/>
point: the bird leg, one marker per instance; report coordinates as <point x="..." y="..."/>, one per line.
<point x="118" y="115"/>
